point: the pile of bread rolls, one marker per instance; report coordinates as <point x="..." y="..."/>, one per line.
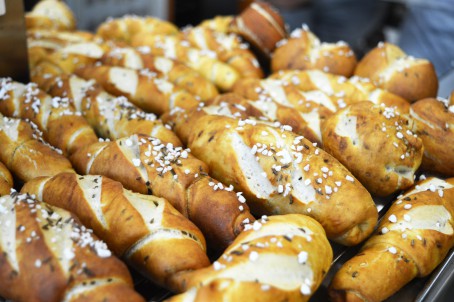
<point x="210" y="176"/>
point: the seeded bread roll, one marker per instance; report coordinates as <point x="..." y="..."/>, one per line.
<point x="144" y="230"/>
<point x="146" y="165"/>
<point x="376" y="144"/>
<point x="26" y="154"/>
<point x="49" y="14"/>
<point x="47" y="255"/>
<point x="281" y="172"/>
<point x="433" y="121"/>
<point x="6" y="180"/>
<point x="303" y="50"/>
<point x="413" y="238"/>
<point x="57" y="118"/>
<point x="280" y="258"/>
<point x="388" y="67"/>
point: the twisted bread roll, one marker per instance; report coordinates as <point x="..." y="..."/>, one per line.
<point x="62" y="126"/>
<point x="143" y="88"/>
<point x="204" y="62"/>
<point x="50" y="14"/>
<point x="25" y="153"/>
<point x="412" y="239"/>
<point x="303" y="50"/>
<point x="280" y="258"/>
<point x="433" y="121"/>
<point x="125" y="28"/>
<point x="176" y="72"/>
<point x="144" y="164"/>
<point x="111" y="117"/>
<point x="46" y="255"/>
<point x="146" y="231"/>
<point x="228" y="49"/>
<point x="6" y="180"/>
<point x="376" y="144"/>
<point x="390" y="68"/>
<point x="280" y="172"/>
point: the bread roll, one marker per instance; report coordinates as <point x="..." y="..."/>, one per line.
<point x="6" y="180"/>
<point x="48" y="14"/>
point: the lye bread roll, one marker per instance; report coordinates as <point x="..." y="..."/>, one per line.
<point x="413" y="238"/>
<point x="303" y="50"/>
<point x="6" y="180"/>
<point x="390" y="68"/>
<point x="277" y="258"/>
<point x="433" y="121"/>
<point x="376" y="144"/>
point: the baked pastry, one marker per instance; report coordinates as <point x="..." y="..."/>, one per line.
<point x="277" y="258"/>
<point x="6" y="180"/>
<point x="388" y="67"/>
<point x="433" y="122"/>
<point x="261" y="25"/>
<point x="146" y="165"/>
<point x="26" y="154"/>
<point x="280" y="172"/>
<point x="376" y="144"/>
<point x="303" y="50"/>
<point x="47" y="255"/>
<point x="57" y="118"/>
<point x="411" y="241"/>
<point x="144" y="230"/>
<point x="50" y="14"/>
<point x="218" y="23"/>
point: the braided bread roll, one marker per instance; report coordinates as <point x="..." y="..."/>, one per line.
<point x="176" y="72"/>
<point x="125" y="28"/>
<point x="144" y="230"/>
<point x="204" y="62"/>
<point x="6" y="180"/>
<point x="111" y="117"/>
<point x="26" y="154"/>
<point x="61" y="125"/>
<point x="388" y="67"/>
<point x="280" y="258"/>
<point x="433" y="122"/>
<point x="280" y="172"/>
<point x="376" y="144"/>
<point x="50" y="14"/>
<point x="145" y="165"/>
<point x="303" y="50"/>
<point x="143" y="88"/>
<point x="411" y="241"/>
<point x="46" y="255"/>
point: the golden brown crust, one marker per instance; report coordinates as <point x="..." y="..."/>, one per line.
<point x="390" y="68"/>
<point x="433" y="121"/>
<point x="376" y="144"/>
<point x="6" y="180"/>
<point x="50" y="14"/>
<point x="303" y="50"/>
<point x="218" y="23"/>
<point x="412" y="239"/>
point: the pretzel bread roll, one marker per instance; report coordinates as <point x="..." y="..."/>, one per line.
<point x="177" y="73"/>
<point x="261" y="25"/>
<point x="146" y="165"/>
<point x="47" y="255"/>
<point x="413" y="238"/>
<point x="218" y="23"/>
<point x="390" y="68"/>
<point x="125" y="28"/>
<point x="144" y="230"/>
<point x="280" y="258"/>
<point x="376" y="144"/>
<point x="341" y="90"/>
<point x="433" y="122"/>
<point x="112" y="117"/>
<point x="313" y="106"/>
<point x="303" y="50"/>
<point x="281" y="173"/>
<point x="143" y="88"/>
<point x="57" y="118"/>
<point x="24" y="152"/>
<point x="204" y="62"/>
<point x="50" y="14"/>
<point x="228" y="48"/>
<point x="6" y="180"/>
